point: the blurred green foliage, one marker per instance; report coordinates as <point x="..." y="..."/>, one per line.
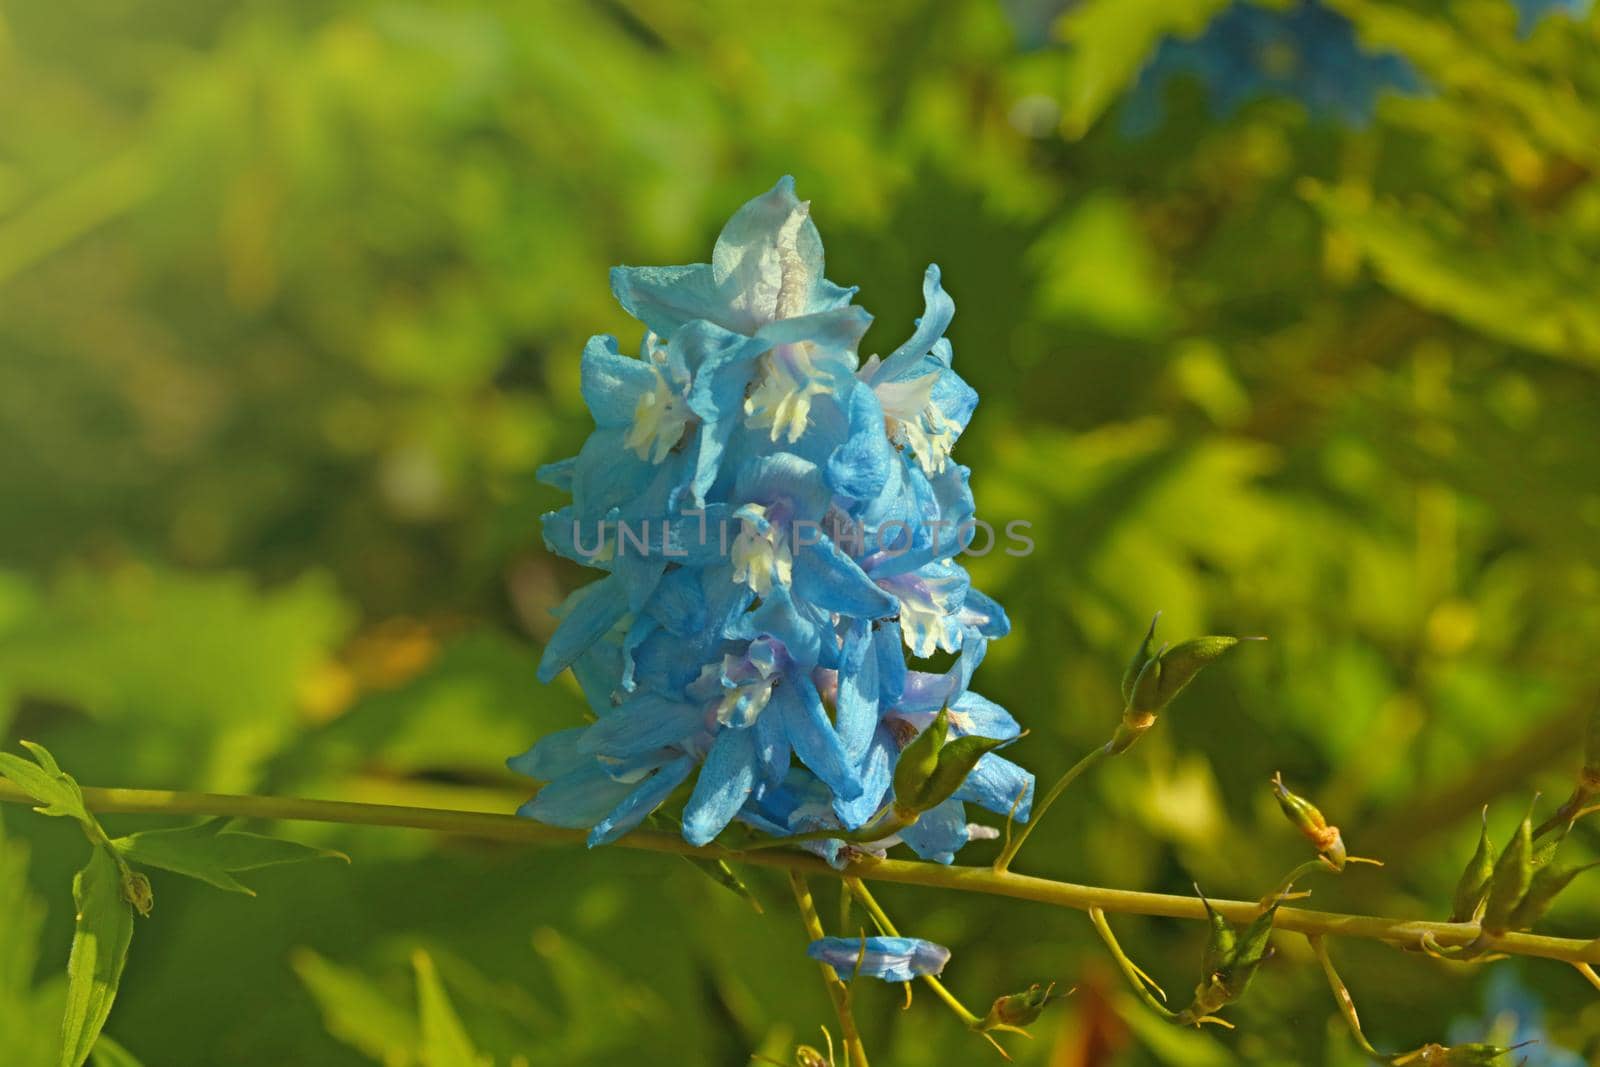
<point x="291" y="297"/>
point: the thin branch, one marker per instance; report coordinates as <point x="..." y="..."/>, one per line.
<point x="855" y="1053"/>
<point x="1014" y="844"/>
<point x="1407" y="933"/>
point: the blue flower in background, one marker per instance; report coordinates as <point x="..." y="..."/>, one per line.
<point x="893" y="959"/>
<point x="1307" y="52"/>
<point x="1513" y="1015"/>
<point x="1531" y="12"/>
<point x="778" y="523"/>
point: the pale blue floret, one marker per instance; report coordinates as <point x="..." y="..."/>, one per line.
<point x="892" y="959"/>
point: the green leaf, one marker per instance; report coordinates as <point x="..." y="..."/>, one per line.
<point x="107" y="1053"/>
<point x="357" y="1012"/>
<point x="56" y="792"/>
<point x="444" y="1040"/>
<point x="211" y="854"/>
<point x="99" y="951"/>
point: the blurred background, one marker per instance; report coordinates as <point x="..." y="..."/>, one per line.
<point x="1284" y="320"/>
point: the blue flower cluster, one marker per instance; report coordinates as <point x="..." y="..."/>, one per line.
<point x="778" y="522"/>
<point x="1308" y="52"/>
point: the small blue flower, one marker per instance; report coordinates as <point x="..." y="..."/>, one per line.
<point x="1309" y="52"/>
<point x="893" y="959"/>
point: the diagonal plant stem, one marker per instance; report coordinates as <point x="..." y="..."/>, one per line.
<point x="1407" y="933"/>
<point x="855" y="1054"/>
<point x="1014" y="844"/>
<point x="1141" y="982"/>
<point x="1341" y="995"/>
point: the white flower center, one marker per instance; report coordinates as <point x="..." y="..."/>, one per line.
<point x="760" y="552"/>
<point x="659" y="420"/>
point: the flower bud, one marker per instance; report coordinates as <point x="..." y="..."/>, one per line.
<point x="1018" y="1010"/>
<point x="936" y="766"/>
<point x="1326" y="839"/>
<point x="1220" y="942"/>
<point x="806" y="1056"/>
<point x="1229" y="962"/>
<point x="136" y="891"/>
<point x="1474" y="883"/>
<point x="1513" y="873"/>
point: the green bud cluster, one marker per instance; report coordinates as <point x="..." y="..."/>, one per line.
<point x="932" y="767"/>
<point x="1513" y="891"/>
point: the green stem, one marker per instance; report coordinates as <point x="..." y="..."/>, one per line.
<point x="1136" y="977"/>
<point x="855" y="1053"/>
<point x="1341" y="996"/>
<point x="1405" y="932"/>
<point x="1288" y="880"/>
<point x="886" y="927"/>
<point x="1014" y="845"/>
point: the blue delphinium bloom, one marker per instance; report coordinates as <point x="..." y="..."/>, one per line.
<point x="893" y="959"/>
<point x="779" y="525"/>
<point x="1308" y="52"/>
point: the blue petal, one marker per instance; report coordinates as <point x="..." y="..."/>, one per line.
<point x="612" y="383"/>
<point x="832" y="581"/>
<point x="748" y="264"/>
<point x="554" y="755"/>
<point x="772" y="748"/>
<point x="646" y="797"/>
<point x="938" y="832"/>
<point x="558" y="475"/>
<point x="938" y="310"/>
<point x="857" y="710"/>
<point x="726" y="779"/>
<point x="665" y="298"/>
<point x="576" y="800"/>
<point x="876" y="771"/>
<point x="859" y="468"/>
<point x="995" y="783"/>
<point x="586" y="615"/>
<point x="814" y="739"/>
<point x="643" y="723"/>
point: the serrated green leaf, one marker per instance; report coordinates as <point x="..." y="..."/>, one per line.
<point x="107" y="1053"/>
<point x="357" y="1012"/>
<point x="211" y="854"/>
<point x="100" y="941"/>
<point x="444" y="1040"/>
<point x="56" y="792"/>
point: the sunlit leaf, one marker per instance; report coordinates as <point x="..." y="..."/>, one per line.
<point x="444" y="1040"/>
<point x="100" y="940"/>
<point x="358" y="1013"/>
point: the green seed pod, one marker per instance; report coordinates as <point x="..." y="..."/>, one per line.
<point x="1145" y="696"/>
<point x="1019" y="1009"/>
<point x="1140" y="658"/>
<point x="1548" y="881"/>
<point x="1475" y="1055"/>
<point x="1474" y="883"/>
<point x="1513" y="873"/>
<point x="919" y="760"/>
<point x="1172" y="669"/>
